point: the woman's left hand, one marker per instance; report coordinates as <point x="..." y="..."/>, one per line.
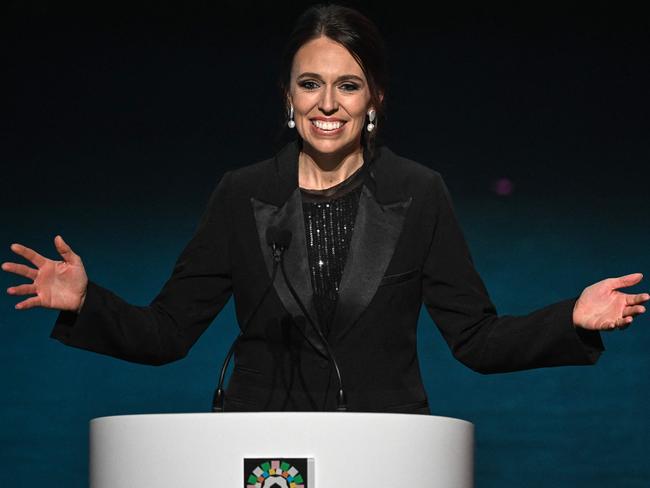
<point x="602" y="307"/>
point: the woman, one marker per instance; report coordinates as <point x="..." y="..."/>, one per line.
<point x="329" y="250"/>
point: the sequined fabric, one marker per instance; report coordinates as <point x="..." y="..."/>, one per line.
<point x="329" y="223"/>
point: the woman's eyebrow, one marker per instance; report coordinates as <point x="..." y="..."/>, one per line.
<point x="340" y="78"/>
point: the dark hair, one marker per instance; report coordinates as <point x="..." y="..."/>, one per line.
<point x="358" y="35"/>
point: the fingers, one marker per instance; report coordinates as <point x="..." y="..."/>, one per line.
<point x="28" y="254"/>
<point x="20" y="269"/>
<point x="29" y="303"/>
<point x="623" y="322"/>
<point x="619" y="323"/>
<point x="66" y="251"/>
<point x="637" y="299"/>
<point x="634" y="310"/>
<point x="627" y="280"/>
<point x="26" y="289"/>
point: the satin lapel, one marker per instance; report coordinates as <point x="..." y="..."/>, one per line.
<point x="376" y="230"/>
<point x="290" y="217"/>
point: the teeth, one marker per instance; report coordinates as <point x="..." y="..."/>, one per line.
<point x="327" y="125"/>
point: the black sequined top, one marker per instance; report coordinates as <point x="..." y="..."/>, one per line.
<point x="329" y="222"/>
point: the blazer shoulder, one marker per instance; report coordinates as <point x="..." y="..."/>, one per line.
<point x="246" y="180"/>
<point x="408" y="173"/>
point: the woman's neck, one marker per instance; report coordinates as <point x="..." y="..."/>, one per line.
<point x="317" y="171"/>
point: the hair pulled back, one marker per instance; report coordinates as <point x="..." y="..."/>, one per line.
<point x="358" y="35"/>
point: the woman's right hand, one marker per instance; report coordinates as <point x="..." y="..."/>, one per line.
<point x="57" y="284"/>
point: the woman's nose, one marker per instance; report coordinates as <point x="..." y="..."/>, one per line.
<point x="328" y="102"/>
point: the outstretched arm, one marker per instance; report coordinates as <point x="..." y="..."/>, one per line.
<point x="459" y="303"/>
<point x="96" y="319"/>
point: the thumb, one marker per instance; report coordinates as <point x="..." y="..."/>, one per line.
<point x="627" y="280"/>
<point x="66" y="251"/>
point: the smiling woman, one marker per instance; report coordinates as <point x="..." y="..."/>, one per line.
<point x="362" y="238"/>
<point x="330" y="99"/>
<point x="334" y="78"/>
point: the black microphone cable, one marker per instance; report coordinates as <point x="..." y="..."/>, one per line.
<point x="218" y="397"/>
<point x="341" y="401"/>
<point x="279" y="242"/>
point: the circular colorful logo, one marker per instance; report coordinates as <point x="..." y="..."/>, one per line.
<point x="275" y="474"/>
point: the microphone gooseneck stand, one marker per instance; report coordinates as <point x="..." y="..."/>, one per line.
<point x="341" y="401"/>
<point x="279" y="241"/>
<point x="218" y="397"/>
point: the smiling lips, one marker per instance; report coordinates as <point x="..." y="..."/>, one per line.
<point x="327" y="126"/>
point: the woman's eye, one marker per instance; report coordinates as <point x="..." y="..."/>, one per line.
<point x="349" y="87"/>
<point x="308" y="85"/>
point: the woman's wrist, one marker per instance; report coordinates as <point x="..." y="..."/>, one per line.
<point x="81" y="303"/>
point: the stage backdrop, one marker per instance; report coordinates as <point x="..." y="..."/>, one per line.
<point x="120" y="123"/>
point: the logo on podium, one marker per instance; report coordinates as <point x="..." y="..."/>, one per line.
<point x="277" y="472"/>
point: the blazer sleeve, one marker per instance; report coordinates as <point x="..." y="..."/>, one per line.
<point x="458" y="302"/>
<point x="165" y="330"/>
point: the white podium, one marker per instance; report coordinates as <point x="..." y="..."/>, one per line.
<point x="345" y="450"/>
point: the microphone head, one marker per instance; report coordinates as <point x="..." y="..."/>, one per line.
<point x="283" y="238"/>
<point x="272" y="235"/>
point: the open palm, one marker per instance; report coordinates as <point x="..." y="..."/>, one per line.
<point x="56" y="284"/>
<point x="602" y="306"/>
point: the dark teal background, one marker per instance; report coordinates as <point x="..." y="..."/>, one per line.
<point x="119" y="123"/>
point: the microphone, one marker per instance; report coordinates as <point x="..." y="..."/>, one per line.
<point x="278" y="241"/>
<point x="283" y="237"/>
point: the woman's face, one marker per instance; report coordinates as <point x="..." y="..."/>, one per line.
<point x="330" y="97"/>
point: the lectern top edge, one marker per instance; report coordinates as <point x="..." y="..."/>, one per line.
<point x="272" y="415"/>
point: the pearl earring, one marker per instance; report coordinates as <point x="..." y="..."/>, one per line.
<point x="371" y="117"/>
<point x="291" y="123"/>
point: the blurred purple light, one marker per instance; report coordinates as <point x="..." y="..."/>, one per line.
<point x="503" y="187"/>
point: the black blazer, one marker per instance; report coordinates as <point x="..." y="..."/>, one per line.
<point x="406" y="249"/>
